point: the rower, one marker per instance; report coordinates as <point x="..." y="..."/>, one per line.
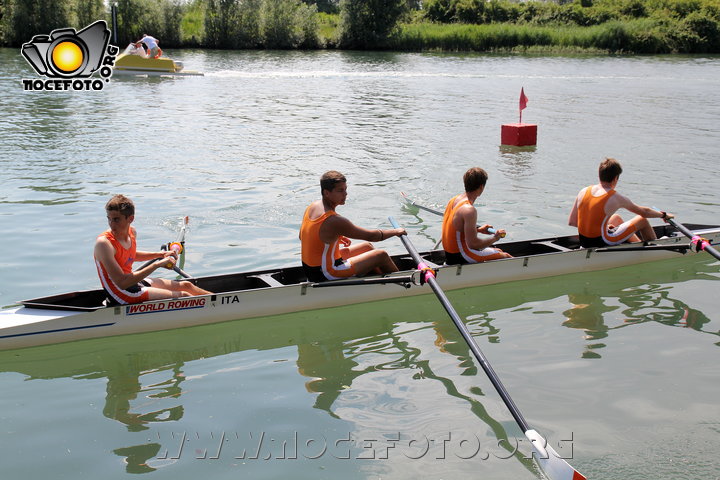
<point x="460" y="230"/>
<point x="593" y="212"/>
<point x="327" y="252"/>
<point x="116" y="251"/>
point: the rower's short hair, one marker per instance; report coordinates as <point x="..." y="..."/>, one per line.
<point x="330" y="179"/>
<point x="474" y="178"/>
<point x="609" y="170"/>
<point x="122" y="204"/>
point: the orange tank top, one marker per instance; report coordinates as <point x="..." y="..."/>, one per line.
<point x="312" y="248"/>
<point x="125" y="257"/>
<point x="449" y="233"/>
<point x="592" y="219"/>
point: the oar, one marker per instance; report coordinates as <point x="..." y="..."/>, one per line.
<point x="177" y="269"/>
<point x="646" y="248"/>
<point x="181" y="241"/>
<point x="549" y="460"/>
<point x="490" y="230"/>
<point x="404" y="280"/>
<point x="698" y="242"/>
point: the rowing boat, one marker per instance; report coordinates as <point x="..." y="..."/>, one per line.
<point x="83" y="314"/>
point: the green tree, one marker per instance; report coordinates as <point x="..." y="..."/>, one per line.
<point x="129" y="14"/>
<point x="367" y="24"/>
<point x="27" y="18"/>
<point x="288" y="24"/>
<point x="88" y="11"/>
<point x="232" y="24"/>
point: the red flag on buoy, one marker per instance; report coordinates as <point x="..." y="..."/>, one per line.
<point x="523" y="101"/>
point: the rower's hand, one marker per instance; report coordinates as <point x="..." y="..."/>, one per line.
<point x="169" y="253"/>
<point x="500" y="233"/>
<point x="485" y="229"/>
<point x="168" y="261"/>
<point x="399" y="232"/>
<point x="667" y="216"/>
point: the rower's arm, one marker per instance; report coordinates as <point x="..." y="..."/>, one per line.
<point x="573" y="218"/>
<point x="468" y="215"/>
<point x="340" y="226"/>
<point x="627" y="204"/>
<point x="105" y="254"/>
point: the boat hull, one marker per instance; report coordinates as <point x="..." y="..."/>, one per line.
<point x="135" y="65"/>
<point x="79" y="315"/>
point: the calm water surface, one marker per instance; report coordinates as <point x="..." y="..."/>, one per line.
<point x="616" y="368"/>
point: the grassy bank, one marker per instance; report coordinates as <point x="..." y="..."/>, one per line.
<point x="613" y="37"/>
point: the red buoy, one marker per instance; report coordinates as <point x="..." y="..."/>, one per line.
<point x="519" y="134"/>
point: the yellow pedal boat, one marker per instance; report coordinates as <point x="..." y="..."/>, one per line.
<point x="129" y="63"/>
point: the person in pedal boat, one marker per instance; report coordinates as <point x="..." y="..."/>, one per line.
<point x="116" y="251"/>
<point x="153" y="49"/>
<point x="460" y="231"/>
<point x="326" y="251"/>
<point x="593" y="212"/>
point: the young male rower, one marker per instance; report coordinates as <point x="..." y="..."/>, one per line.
<point x="116" y="251"/>
<point x="593" y="212"/>
<point x="324" y="236"/>
<point x="460" y="231"/>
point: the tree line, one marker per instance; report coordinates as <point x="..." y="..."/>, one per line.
<point x="221" y="24"/>
<point x="632" y="26"/>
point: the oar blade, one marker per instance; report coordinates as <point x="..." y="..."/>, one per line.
<point x="554" y="467"/>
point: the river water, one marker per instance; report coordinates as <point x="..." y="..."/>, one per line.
<point x="616" y="369"/>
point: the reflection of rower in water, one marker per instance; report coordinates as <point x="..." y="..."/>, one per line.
<point x="587" y="314"/>
<point x="644" y="304"/>
<point x="122" y="388"/>
<point x="449" y="340"/>
<point x="330" y="370"/>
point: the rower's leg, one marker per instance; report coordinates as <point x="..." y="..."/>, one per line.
<point x="645" y="230"/>
<point x="615" y="221"/>
<point x="366" y="262"/>
<point x="174" y="288"/>
<point x="355" y="249"/>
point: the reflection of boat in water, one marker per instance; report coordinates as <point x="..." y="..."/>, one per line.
<point x="134" y="62"/>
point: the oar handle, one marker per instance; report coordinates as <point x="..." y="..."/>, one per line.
<point x="175" y="268"/>
<point x="492" y="231"/>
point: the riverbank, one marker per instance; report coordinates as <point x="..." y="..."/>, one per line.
<point x="591" y="26"/>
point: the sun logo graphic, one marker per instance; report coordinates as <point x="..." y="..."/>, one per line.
<point x="69" y="58"/>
